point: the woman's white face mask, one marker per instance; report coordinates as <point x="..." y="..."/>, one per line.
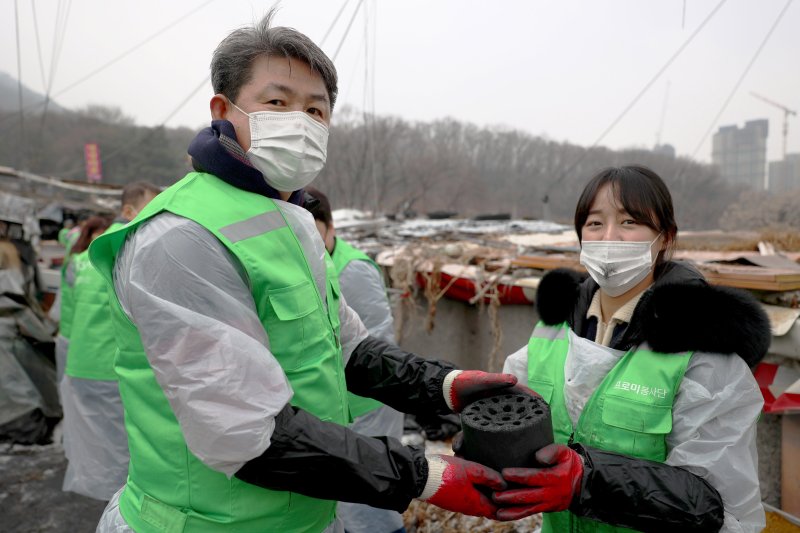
<point x="617" y="266"/>
<point x="288" y="148"/>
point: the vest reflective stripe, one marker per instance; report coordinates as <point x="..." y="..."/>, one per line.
<point x="168" y="488"/>
<point x="253" y="227"/>
<point x="343" y="254"/>
<point x="93" y="346"/>
<point x="630" y="412"/>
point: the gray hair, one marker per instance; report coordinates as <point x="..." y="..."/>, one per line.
<point x="231" y="65"/>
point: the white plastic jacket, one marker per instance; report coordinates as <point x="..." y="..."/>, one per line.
<point x="189" y="297"/>
<point x="714" y="420"/>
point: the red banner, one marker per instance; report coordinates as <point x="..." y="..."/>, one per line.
<point x="94" y="171"/>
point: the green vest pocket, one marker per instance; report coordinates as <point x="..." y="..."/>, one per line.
<point x="296" y="301"/>
<point x="648" y="426"/>
<point x="160" y="515"/>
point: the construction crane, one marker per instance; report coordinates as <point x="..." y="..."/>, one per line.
<point x="786" y="113"/>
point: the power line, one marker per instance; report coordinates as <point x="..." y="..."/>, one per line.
<point x="335" y="20"/>
<point x="133" y="48"/>
<point x="347" y="30"/>
<point x="38" y="43"/>
<point x="21" y="152"/>
<point x="128" y="51"/>
<point x="633" y="102"/>
<point x="741" y="78"/>
<point x="59" y="34"/>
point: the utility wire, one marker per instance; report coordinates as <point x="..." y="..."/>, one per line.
<point x="741" y="78"/>
<point x="50" y="78"/>
<point x="335" y="20"/>
<point x="21" y="151"/>
<point x="59" y="35"/>
<point x="347" y="30"/>
<point x="130" y="50"/>
<point x="633" y="102"/>
<point x="38" y="43"/>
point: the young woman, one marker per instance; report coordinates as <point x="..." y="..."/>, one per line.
<point x="646" y="369"/>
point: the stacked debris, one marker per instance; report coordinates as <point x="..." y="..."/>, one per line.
<point x="29" y="405"/>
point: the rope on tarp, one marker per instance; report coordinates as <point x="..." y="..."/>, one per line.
<point x="425" y="261"/>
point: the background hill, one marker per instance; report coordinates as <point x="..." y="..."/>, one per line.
<point x="393" y="165"/>
<point x="9" y="96"/>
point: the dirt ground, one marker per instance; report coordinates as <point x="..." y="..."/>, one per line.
<point x="31" y="498"/>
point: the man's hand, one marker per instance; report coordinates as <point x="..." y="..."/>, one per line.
<point x="453" y="484"/>
<point x="462" y="387"/>
<point x="548" y="489"/>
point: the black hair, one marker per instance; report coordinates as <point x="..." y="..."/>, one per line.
<point x="642" y="193"/>
<point x="231" y="65"/>
<point x="135" y="192"/>
<point x="318" y="205"/>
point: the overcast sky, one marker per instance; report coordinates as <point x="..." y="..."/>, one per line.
<point x="564" y="69"/>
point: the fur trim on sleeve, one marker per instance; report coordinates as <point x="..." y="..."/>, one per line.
<point x="557" y="295"/>
<point x="683" y="317"/>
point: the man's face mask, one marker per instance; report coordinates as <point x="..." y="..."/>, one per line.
<point x="289" y="148"/>
<point x="617" y="266"/>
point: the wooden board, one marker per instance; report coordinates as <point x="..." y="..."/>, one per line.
<point x="548" y="262"/>
<point x="751" y="277"/>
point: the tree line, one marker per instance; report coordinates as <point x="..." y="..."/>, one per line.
<point x="391" y="165"/>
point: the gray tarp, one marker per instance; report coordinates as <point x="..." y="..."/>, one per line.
<point x="29" y="406"/>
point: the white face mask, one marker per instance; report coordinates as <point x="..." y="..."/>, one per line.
<point x="289" y="148"/>
<point x="617" y="266"/>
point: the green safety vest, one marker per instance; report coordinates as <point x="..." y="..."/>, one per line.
<point x="343" y="254"/>
<point x="93" y="347"/>
<point x="168" y="488"/>
<point x="630" y="412"/>
<point x="67" y="311"/>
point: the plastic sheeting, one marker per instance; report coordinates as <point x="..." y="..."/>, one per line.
<point x="29" y="406"/>
<point x="95" y="441"/>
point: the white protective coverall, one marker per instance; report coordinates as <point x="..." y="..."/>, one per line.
<point x="208" y="298"/>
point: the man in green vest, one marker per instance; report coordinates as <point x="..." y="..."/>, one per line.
<point x="361" y="280"/>
<point x="236" y="347"/>
<point x="95" y="442"/>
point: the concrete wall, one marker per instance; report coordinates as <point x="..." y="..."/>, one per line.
<point x="462" y="333"/>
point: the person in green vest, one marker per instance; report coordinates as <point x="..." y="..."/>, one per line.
<point x="67" y="234"/>
<point x="95" y="442"/>
<point x="62" y="305"/>
<point x="647" y="371"/>
<point x="361" y="280"/>
<point x="236" y="346"/>
<point x="88" y="228"/>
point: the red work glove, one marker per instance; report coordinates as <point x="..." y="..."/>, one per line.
<point x="546" y="490"/>
<point x="453" y="485"/>
<point x="462" y="387"/>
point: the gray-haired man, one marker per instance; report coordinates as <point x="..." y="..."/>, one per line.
<point x="236" y="347"/>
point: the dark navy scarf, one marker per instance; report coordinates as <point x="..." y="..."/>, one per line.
<point x="216" y="151"/>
